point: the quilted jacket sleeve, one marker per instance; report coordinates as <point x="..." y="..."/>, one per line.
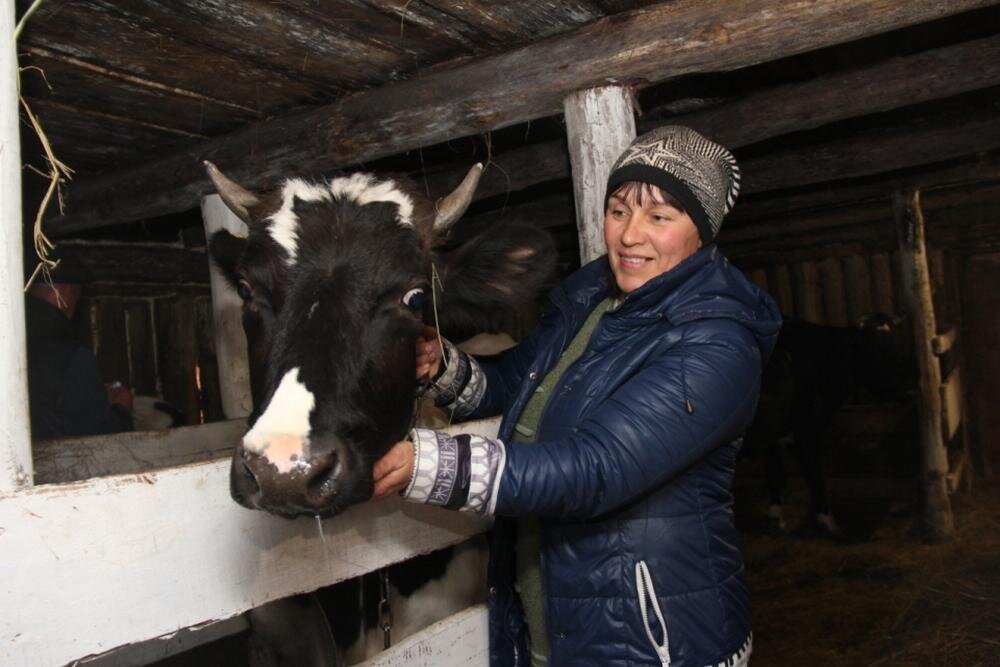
<point x="696" y="396"/>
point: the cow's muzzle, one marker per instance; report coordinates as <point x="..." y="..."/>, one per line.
<point x="322" y="484"/>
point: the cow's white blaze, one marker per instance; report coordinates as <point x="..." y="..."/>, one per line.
<point x="281" y="434"/>
<point x="365" y="189"/>
<point x="284" y="225"/>
<point x="362" y="188"/>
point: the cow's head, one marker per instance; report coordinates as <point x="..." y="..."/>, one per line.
<point x="336" y="283"/>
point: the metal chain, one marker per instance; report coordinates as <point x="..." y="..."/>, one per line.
<point x="385" y="608"/>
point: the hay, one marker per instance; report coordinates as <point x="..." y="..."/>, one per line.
<point x="58" y="172"/>
<point x="891" y="600"/>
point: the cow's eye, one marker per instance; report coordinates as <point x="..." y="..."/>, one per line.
<point x="244" y="290"/>
<point x="415" y="299"/>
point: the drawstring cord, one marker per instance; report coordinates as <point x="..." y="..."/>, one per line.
<point x="644" y="587"/>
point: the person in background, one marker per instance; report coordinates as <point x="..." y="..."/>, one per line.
<point x="614" y="542"/>
<point x="66" y="395"/>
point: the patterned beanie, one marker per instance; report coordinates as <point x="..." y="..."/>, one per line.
<point x="702" y="175"/>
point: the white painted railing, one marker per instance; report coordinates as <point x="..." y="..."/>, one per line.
<point x="105" y="562"/>
<point x="460" y="639"/>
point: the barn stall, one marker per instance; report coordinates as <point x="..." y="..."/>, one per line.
<point x="866" y="130"/>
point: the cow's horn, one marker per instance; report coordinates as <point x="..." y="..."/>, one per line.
<point x="451" y="208"/>
<point x="237" y="198"/>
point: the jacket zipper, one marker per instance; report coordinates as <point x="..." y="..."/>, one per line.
<point x="644" y="588"/>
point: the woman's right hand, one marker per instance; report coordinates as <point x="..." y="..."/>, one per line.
<point x="428" y="354"/>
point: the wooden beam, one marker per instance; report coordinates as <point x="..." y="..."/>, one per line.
<point x="868" y="214"/>
<point x="15" y="438"/>
<point x="915" y="275"/>
<point x="974" y="170"/>
<point x="61" y="460"/>
<point x="159" y="263"/>
<point x="916" y="141"/>
<point x="227" y="317"/>
<point x="647" y="46"/>
<point x="884" y="86"/>
<point x="600" y="124"/>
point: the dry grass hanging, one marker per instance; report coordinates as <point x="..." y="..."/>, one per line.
<point x="58" y="172"/>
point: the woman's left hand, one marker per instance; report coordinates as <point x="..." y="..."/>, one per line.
<point x="392" y="472"/>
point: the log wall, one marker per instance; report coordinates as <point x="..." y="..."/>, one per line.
<point x="158" y="341"/>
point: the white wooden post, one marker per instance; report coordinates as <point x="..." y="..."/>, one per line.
<point x="600" y="124"/>
<point x="227" y="317"/>
<point x="916" y="281"/>
<point x="15" y="433"/>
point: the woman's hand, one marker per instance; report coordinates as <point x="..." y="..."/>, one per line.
<point x="392" y="472"/>
<point x="428" y="354"/>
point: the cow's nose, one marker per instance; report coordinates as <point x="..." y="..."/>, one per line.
<point x="323" y="479"/>
<point x="289" y="485"/>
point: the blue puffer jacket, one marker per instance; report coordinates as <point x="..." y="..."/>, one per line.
<point x="633" y="465"/>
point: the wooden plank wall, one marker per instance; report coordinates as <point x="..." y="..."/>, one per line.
<point x="840" y="290"/>
<point x="156" y="340"/>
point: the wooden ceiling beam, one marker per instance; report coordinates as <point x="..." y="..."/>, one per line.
<point x="882" y="87"/>
<point x="131" y="263"/>
<point x="973" y="171"/>
<point x="495" y="92"/>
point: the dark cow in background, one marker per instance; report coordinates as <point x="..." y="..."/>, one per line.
<point x="813" y="371"/>
<point x="337" y="279"/>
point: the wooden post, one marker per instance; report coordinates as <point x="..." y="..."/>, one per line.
<point x="600" y="124"/>
<point x="916" y="291"/>
<point x="227" y="311"/>
<point x="15" y="433"/>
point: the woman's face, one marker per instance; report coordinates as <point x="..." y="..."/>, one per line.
<point x="647" y="233"/>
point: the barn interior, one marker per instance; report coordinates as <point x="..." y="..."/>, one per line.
<point x="849" y="119"/>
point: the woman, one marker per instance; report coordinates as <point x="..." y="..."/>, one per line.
<point x="611" y="476"/>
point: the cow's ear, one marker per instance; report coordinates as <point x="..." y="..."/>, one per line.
<point x="494" y="277"/>
<point x="225" y="249"/>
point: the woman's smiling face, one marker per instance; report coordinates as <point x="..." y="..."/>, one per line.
<point x="647" y="233"/>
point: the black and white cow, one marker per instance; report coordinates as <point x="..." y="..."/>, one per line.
<point x="813" y="371"/>
<point x="337" y="279"/>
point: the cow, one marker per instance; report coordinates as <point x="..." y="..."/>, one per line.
<point x="337" y="279"/>
<point x="813" y="371"/>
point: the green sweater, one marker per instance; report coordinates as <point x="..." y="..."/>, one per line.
<point x="529" y="545"/>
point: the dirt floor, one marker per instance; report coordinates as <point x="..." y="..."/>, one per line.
<point x="878" y="596"/>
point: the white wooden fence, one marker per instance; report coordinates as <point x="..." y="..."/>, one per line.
<point x="88" y="566"/>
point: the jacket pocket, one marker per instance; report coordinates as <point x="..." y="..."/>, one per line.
<point x="647" y="600"/>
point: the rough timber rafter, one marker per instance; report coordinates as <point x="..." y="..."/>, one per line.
<point x="497" y="91"/>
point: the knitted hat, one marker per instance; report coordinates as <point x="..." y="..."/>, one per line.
<point x="701" y="174"/>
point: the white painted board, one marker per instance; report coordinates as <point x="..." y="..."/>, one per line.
<point x="72" y="459"/>
<point x="459" y="640"/>
<point x="97" y="564"/>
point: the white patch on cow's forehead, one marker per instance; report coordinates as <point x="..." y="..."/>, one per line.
<point x="365" y="189"/>
<point x="284" y="227"/>
<point x="281" y="434"/>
